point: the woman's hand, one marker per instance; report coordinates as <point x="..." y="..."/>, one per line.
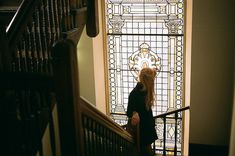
<point x="135" y="119"/>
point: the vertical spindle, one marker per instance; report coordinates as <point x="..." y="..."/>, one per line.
<point x="29" y="50"/>
<point x="39" y="41"/>
<point x="164" y="135"/>
<point x="34" y="47"/>
<point x="175" y="148"/>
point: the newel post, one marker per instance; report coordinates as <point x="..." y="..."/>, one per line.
<point x="92" y="24"/>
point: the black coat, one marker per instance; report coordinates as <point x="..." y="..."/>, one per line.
<point x="136" y="102"/>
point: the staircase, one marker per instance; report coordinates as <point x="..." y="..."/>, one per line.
<point x="39" y="74"/>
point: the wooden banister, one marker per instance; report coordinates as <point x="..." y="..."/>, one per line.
<point x="102" y="136"/>
<point x="172" y="112"/>
<point x="89" y="110"/>
<point x="174" y="117"/>
<point x="20" y="20"/>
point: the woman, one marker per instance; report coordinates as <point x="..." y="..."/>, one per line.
<point x="139" y="110"/>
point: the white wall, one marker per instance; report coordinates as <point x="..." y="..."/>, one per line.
<point x="86" y="67"/>
<point x="212" y="72"/>
<point x="99" y="65"/>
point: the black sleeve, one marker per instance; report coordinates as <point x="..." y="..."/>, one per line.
<point x="131" y="105"/>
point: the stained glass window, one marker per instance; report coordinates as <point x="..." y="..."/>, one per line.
<point x="146" y="33"/>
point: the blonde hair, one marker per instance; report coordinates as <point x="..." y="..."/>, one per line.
<point x="146" y="77"/>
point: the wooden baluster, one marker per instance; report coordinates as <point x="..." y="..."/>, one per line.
<point x="57" y="19"/>
<point x="52" y="21"/>
<point x="23" y="56"/>
<point x="69" y="16"/>
<point x="39" y="41"/>
<point x="17" y="59"/>
<point x="85" y="131"/>
<point x="28" y="43"/>
<point x="34" y="47"/>
<point x="109" y="142"/>
<point x="98" y="142"/>
<point x="83" y="118"/>
<point x="104" y="140"/>
<point x="20" y="56"/>
<point x="73" y="18"/>
<point x="66" y="13"/>
<point x="89" y="138"/>
<point x="124" y="147"/>
<point x="48" y="29"/>
<point x="101" y="140"/>
<point x="64" y="21"/>
<point x="116" y="144"/>
<point x="119" y="145"/>
<point x="60" y="11"/>
<point x="45" y="45"/>
<point x="47" y="21"/>
<point x="94" y="140"/>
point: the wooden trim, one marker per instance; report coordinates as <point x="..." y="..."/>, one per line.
<point x="91" y="111"/>
<point x="92" y="18"/>
<point x="66" y="86"/>
<point x="172" y="112"/>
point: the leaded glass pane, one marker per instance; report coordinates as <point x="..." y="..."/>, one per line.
<point x="146" y="33"/>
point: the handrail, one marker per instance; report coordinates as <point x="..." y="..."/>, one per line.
<point x="171" y="112"/>
<point x="175" y="118"/>
<point x="163" y="115"/>
<point x="20" y="19"/>
<point x="101" y="135"/>
<point x="87" y="107"/>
